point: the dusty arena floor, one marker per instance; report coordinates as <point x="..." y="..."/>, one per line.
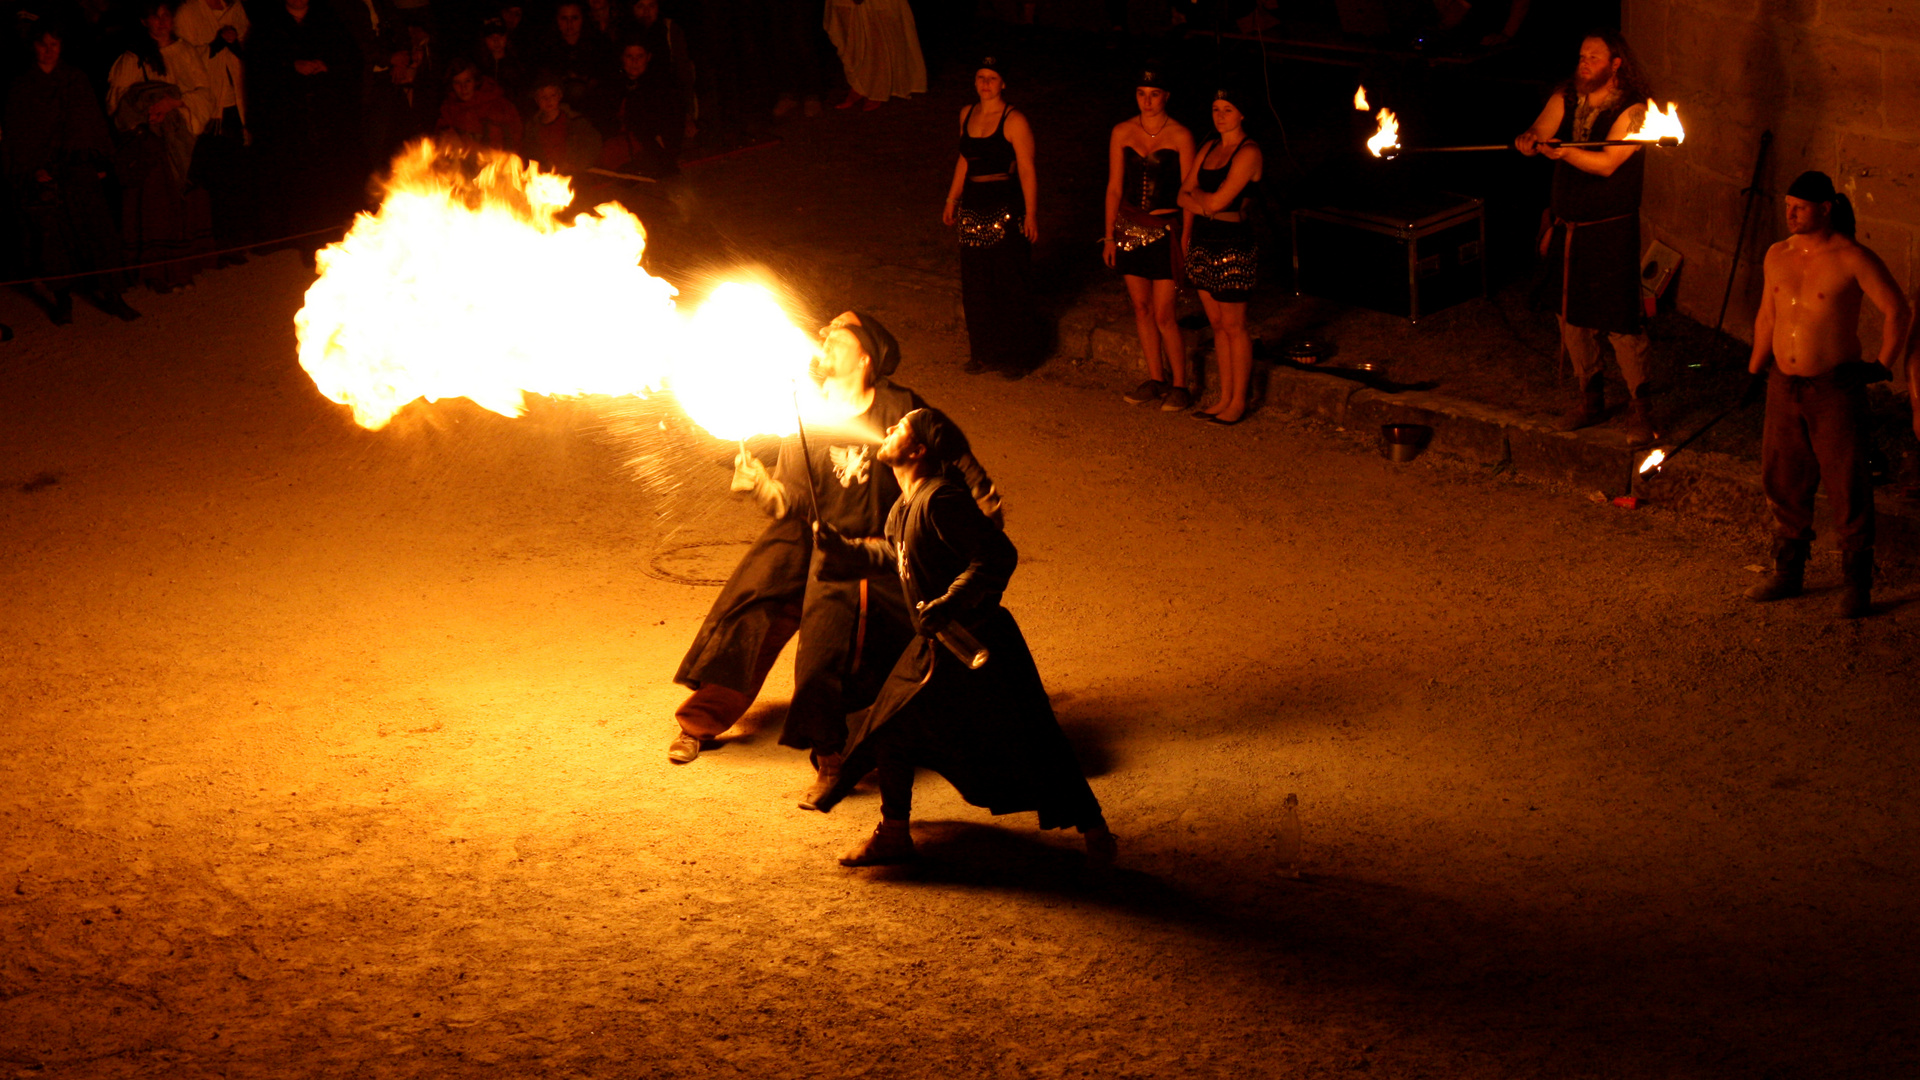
<point x="337" y="753"/>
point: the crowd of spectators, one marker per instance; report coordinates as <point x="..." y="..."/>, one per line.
<point x="163" y="136"/>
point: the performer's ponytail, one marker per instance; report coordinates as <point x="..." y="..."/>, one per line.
<point x="1841" y="220"/>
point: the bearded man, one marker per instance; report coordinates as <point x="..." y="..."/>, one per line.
<point x="988" y="728"/>
<point x="1593" y="243"/>
<point x="1806" y="344"/>
<point x="850" y="629"/>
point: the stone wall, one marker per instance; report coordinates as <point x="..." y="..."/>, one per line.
<point x="1838" y="83"/>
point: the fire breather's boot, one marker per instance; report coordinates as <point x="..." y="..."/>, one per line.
<point x="1856" y="577"/>
<point x="1639" y="420"/>
<point x="826" y="774"/>
<point x="891" y="842"/>
<point x="1592" y="405"/>
<point x="1789" y="571"/>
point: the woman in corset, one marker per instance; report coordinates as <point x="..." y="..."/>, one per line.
<point x="1148" y="156"/>
<point x="1222" y="258"/>
<point x="992" y="201"/>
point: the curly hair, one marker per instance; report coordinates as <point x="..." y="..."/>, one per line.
<point x="1632" y="78"/>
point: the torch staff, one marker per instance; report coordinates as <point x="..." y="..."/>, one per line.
<point x="1396" y="151"/>
<point x="806" y="456"/>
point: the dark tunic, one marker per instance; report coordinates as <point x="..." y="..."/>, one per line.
<point x="1599" y="271"/>
<point x="850" y="630"/>
<point x="990" y="731"/>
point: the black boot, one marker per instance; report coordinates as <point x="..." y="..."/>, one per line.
<point x="1789" y="572"/>
<point x="1856" y="577"/>
<point x="1592" y="405"/>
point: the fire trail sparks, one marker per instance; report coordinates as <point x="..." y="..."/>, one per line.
<point x="467" y="283"/>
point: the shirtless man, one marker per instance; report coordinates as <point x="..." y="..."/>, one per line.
<point x="1816" y="392"/>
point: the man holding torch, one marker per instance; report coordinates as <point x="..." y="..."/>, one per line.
<point x="987" y="727"/>
<point x="1806" y="345"/>
<point x="1593" y="243"/>
<point x="850" y="630"/>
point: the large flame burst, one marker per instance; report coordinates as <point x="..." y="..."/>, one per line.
<point x="467" y="283"/>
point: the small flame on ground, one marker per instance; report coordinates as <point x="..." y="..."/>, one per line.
<point x="1387" y="136"/>
<point x="1659" y="125"/>
<point x="1652" y="461"/>
<point x="1360" y="100"/>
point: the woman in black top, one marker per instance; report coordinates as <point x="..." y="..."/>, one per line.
<point x="1148" y="156"/>
<point x="992" y="200"/>
<point x="1221" y="255"/>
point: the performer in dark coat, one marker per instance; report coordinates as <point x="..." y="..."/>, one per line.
<point x="1593" y="246"/>
<point x="850" y="630"/>
<point x="990" y="729"/>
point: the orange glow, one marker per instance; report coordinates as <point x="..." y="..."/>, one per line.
<point x="1387" y="137"/>
<point x="1360" y="100"/>
<point x="465" y="283"/>
<point x="1652" y="461"/>
<point x="743" y="359"/>
<point x="1660" y="125"/>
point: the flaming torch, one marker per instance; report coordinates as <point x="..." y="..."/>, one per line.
<point x="1360" y="100"/>
<point x="1386" y="138"/>
<point x="1656" y="129"/>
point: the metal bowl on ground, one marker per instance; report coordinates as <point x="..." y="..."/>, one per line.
<point x="1404" y="442"/>
<point x="1309" y="352"/>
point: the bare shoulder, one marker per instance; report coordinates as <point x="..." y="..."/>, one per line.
<point x="1181" y="134"/>
<point x="1120" y="130"/>
<point x="1017" y="122"/>
<point x="962" y="114"/>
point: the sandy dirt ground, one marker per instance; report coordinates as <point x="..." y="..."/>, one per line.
<point x="337" y="753"/>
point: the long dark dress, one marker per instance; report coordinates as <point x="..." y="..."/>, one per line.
<point x="1595" y="253"/>
<point x="989" y="730"/>
<point x="996" y="261"/>
<point x="850" y="630"/>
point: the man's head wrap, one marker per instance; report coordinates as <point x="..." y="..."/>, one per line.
<point x="1813" y="186"/>
<point x="942" y="437"/>
<point x="879" y="343"/>
<point x="1817" y="187"/>
<point x="1153" y="76"/>
<point x="991" y="63"/>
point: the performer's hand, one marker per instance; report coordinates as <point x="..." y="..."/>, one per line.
<point x="1107" y="249"/>
<point x="1552" y="151"/>
<point x="1526" y="143"/>
<point x="935" y="614"/>
<point x="951" y="214"/>
<point x="1755" y="391"/>
<point x="748" y="473"/>
<point x="1029" y="230"/>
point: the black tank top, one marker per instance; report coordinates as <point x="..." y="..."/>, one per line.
<point x="1150" y="181"/>
<point x="1211" y="179"/>
<point x="1581" y="196"/>
<point x="987" y="155"/>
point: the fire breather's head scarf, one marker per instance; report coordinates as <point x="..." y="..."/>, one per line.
<point x="881" y="346"/>
<point x="942" y="437"/>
